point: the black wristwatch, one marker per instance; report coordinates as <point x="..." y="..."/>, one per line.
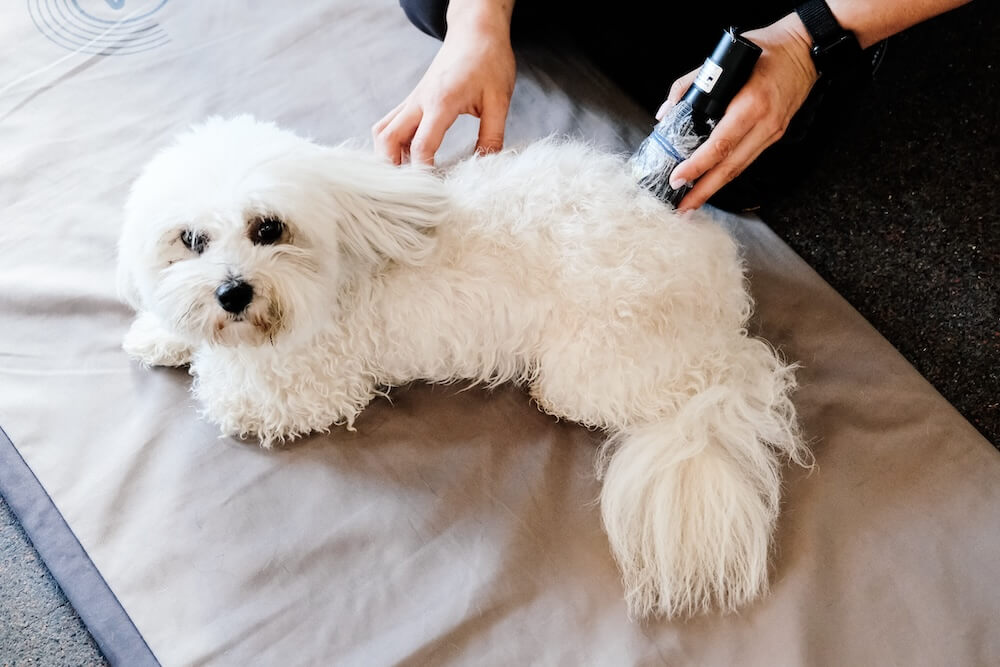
<point x="834" y="49"/>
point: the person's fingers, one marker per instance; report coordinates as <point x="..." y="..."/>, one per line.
<point x="740" y="118"/>
<point x="753" y="144"/>
<point x="677" y="90"/>
<point x="757" y="116"/>
<point x="394" y="139"/>
<point x="386" y="119"/>
<point x="429" y="135"/>
<point x="492" y="121"/>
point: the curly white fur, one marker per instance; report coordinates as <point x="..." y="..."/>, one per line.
<point x="545" y="266"/>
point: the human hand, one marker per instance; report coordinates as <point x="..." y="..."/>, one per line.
<point x="473" y="73"/>
<point x="757" y="116"/>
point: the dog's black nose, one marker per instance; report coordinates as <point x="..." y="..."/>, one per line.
<point x="234" y="295"/>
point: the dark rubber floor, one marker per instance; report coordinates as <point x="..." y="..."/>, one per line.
<point x="901" y="216"/>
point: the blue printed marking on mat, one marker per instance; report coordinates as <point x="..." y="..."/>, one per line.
<point x="100" y="27"/>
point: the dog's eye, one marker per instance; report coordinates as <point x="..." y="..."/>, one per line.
<point x="266" y="231"/>
<point x="196" y="243"/>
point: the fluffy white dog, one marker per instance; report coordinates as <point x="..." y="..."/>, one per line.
<point x="300" y="281"/>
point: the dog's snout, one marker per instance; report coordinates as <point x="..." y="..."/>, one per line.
<point x="234" y="295"/>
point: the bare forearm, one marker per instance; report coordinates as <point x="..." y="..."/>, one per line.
<point x="874" y="20"/>
<point x="488" y="15"/>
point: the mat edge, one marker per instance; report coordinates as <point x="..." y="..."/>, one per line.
<point x="81" y="582"/>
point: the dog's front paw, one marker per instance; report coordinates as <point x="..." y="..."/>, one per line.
<point x="148" y="342"/>
<point x="269" y="422"/>
<point x="275" y="403"/>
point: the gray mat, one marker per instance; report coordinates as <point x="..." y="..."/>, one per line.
<point x="452" y="528"/>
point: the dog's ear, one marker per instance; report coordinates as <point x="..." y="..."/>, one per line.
<point x="385" y="211"/>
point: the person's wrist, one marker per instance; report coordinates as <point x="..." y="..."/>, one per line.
<point x="483" y="19"/>
<point x="798" y="42"/>
<point x="856" y="17"/>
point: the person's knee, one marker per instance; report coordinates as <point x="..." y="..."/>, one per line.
<point x="428" y="15"/>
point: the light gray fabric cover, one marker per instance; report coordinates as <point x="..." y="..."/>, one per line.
<point x="452" y="527"/>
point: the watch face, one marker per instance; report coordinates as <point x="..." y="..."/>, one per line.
<point x="840" y="55"/>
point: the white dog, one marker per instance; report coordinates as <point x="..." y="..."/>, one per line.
<point x="301" y="281"/>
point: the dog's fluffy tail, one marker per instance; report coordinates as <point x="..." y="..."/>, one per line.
<point x="690" y="502"/>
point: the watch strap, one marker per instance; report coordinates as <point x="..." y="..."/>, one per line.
<point x="819" y="21"/>
<point x="834" y="49"/>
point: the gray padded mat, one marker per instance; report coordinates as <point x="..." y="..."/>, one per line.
<point x="452" y="527"/>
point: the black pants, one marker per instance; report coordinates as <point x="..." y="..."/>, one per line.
<point x="642" y="46"/>
<point x="645" y="46"/>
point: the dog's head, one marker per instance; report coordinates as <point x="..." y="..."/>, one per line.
<point x="240" y="231"/>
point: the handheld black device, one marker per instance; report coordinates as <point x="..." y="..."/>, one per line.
<point x="688" y="124"/>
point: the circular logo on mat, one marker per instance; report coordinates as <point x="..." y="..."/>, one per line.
<point x="101" y="27"/>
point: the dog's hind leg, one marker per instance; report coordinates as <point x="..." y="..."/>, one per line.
<point x="690" y="501"/>
<point x="692" y="468"/>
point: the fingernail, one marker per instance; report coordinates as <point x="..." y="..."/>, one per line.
<point x="487" y="150"/>
<point x="664" y="108"/>
<point x="676" y="182"/>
